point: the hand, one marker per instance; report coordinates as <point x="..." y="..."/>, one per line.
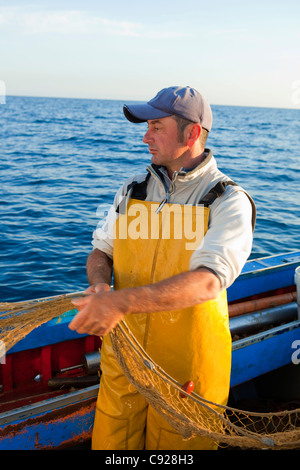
<point x="98" y="313"/>
<point x="95" y="288"/>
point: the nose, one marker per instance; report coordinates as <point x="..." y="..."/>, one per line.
<point x="147" y="137"/>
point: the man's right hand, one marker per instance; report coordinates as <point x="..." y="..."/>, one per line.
<point x="100" y="287"/>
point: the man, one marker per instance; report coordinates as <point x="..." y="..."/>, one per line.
<point x="170" y="271"/>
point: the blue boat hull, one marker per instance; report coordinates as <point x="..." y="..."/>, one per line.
<point x="263" y="352"/>
<point x="52" y="424"/>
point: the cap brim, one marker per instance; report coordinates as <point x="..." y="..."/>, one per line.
<point x="143" y="112"/>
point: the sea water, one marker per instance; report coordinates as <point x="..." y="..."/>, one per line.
<point x="62" y="160"/>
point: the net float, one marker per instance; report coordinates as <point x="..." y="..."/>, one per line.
<point x="188" y="387"/>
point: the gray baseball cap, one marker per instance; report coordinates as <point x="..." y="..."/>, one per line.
<point x="185" y="102"/>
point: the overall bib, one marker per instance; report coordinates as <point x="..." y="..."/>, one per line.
<point x="189" y="344"/>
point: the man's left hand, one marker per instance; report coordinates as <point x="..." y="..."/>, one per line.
<point x="98" y="313"/>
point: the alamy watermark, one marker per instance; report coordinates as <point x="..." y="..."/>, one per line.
<point x="2" y="92"/>
<point x="152" y="222"/>
<point x="296" y="92"/>
<point x="2" y="352"/>
<point x="296" y="353"/>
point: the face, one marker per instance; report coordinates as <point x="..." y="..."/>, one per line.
<point x="162" y="140"/>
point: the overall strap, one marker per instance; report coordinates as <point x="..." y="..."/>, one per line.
<point x="215" y="192"/>
<point x="139" y="191"/>
<point x="218" y="190"/>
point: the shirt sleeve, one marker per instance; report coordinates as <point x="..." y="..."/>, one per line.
<point x="103" y="238"/>
<point x="227" y="243"/>
<point x="103" y="235"/>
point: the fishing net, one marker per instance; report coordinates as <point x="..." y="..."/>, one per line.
<point x="190" y="416"/>
<point x="195" y="416"/>
<point x="18" y="319"/>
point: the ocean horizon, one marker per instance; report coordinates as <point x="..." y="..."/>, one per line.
<point x="140" y="101"/>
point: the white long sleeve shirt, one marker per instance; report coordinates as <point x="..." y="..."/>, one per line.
<point x="228" y="241"/>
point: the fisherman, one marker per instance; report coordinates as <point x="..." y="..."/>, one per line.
<point x="170" y="278"/>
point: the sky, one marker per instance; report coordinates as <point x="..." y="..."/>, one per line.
<point x="235" y="52"/>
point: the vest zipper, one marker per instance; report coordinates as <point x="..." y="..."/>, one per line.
<point x="169" y="190"/>
<point x="163" y="202"/>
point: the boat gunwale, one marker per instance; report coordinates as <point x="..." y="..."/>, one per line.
<point x="48" y="405"/>
<point x="264" y="335"/>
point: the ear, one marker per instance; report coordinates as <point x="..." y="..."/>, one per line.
<point x="193" y="134"/>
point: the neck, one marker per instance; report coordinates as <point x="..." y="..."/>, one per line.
<point x="188" y="164"/>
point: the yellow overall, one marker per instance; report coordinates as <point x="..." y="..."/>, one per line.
<point x="189" y="344"/>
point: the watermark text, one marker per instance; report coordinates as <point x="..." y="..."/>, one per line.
<point x="2" y="352"/>
<point x="150" y="222"/>
<point x="296" y="92"/>
<point x="2" y="92"/>
<point x="296" y="353"/>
